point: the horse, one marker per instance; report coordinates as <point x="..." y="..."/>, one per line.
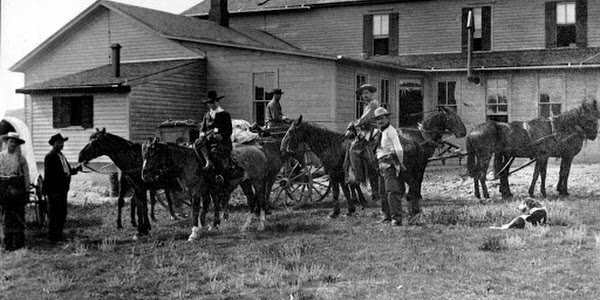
<point x="127" y="156"/>
<point x="429" y="136"/>
<point x="561" y="136"/>
<point x="261" y="163"/>
<point x="331" y="148"/>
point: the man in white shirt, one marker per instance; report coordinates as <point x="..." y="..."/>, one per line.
<point x="390" y="156"/>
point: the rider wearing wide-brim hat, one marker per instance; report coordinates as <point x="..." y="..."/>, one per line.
<point x="14" y="185"/>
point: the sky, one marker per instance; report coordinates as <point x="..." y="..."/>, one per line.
<point x="25" y="24"/>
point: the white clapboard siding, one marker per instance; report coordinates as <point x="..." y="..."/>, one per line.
<point x="424" y="26"/>
<point x="110" y="112"/>
<point x="177" y="96"/>
<point x="87" y="45"/>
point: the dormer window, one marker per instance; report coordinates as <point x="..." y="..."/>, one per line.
<point x="380" y="34"/>
<point x="566" y="24"/>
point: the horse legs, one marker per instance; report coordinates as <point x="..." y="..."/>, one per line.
<point x="502" y="162"/>
<point x="351" y="202"/>
<point x="142" y="212"/>
<point x="540" y="169"/>
<point x="195" y="214"/>
<point x="170" y="204"/>
<point x="336" y="198"/>
<point x="476" y="187"/>
<point x="120" y="204"/>
<point x="152" y="204"/>
<point x="563" y="177"/>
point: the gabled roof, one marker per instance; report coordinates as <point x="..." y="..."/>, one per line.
<point x="244" y="6"/>
<point x="177" y="27"/>
<point x="525" y="59"/>
<point x="102" y="79"/>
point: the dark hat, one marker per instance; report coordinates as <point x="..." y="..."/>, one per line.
<point x="57" y="137"/>
<point x="14" y="136"/>
<point x="212" y="96"/>
<point x="366" y="86"/>
<point x="277" y="91"/>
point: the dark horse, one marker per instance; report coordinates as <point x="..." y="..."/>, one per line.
<point x="429" y="136"/>
<point x="561" y="136"/>
<point x="261" y="163"/>
<point x="331" y="148"/>
<point x="127" y="156"/>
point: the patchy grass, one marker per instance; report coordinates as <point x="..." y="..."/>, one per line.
<point x="447" y="252"/>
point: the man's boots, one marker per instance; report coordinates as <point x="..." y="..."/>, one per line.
<point x="204" y="151"/>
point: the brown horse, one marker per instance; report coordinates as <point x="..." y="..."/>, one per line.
<point x="561" y="136"/>
<point x="331" y="148"/>
<point x="127" y="156"/>
<point x="429" y="136"/>
<point x="261" y="164"/>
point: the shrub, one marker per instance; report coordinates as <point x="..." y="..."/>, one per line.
<point x="492" y="243"/>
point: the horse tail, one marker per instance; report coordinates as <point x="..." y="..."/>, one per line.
<point x="472" y="158"/>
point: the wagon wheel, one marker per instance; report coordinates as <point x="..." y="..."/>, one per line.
<point x="40" y="202"/>
<point x="297" y="185"/>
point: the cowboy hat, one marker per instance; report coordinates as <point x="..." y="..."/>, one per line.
<point x="14" y="136"/>
<point x="380" y="112"/>
<point x="57" y="137"/>
<point x="212" y="96"/>
<point x="366" y="86"/>
<point x="277" y="91"/>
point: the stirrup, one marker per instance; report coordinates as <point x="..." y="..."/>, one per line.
<point x="219" y="179"/>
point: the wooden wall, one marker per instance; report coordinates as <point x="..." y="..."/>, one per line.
<point x="110" y="111"/>
<point x="177" y="96"/>
<point x="425" y="26"/>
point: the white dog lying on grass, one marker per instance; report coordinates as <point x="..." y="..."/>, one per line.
<point x="534" y="213"/>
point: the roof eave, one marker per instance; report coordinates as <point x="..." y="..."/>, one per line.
<point x="516" y="68"/>
<point x="119" y="89"/>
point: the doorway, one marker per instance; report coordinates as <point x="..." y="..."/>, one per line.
<point x="410" y="102"/>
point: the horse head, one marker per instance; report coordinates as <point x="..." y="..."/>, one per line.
<point x="453" y="123"/>
<point x="95" y="147"/>
<point x="293" y="137"/>
<point x="588" y="121"/>
<point x="156" y="162"/>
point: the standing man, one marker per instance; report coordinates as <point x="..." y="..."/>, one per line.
<point x="390" y="157"/>
<point x="214" y="142"/>
<point x="57" y="180"/>
<point x="14" y="185"/>
<point x="275" y="117"/>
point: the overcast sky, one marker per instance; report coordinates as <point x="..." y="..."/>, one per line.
<point x="25" y="24"/>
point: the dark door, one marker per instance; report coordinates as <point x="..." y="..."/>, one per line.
<point x="410" y="98"/>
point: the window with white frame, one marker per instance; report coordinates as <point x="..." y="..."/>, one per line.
<point x="360" y="104"/>
<point x="551" y="96"/>
<point x="381" y="34"/>
<point x="73" y="111"/>
<point x="264" y="83"/>
<point x="497" y="100"/>
<point x="447" y="95"/>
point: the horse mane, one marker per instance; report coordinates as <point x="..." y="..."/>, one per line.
<point x="114" y="138"/>
<point x="586" y="114"/>
<point x="319" y="132"/>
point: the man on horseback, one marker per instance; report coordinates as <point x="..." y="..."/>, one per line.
<point x="214" y="143"/>
<point x="390" y="157"/>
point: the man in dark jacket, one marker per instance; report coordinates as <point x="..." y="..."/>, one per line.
<point x="214" y="143"/>
<point x="57" y="179"/>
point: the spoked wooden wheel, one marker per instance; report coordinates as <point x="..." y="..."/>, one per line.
<point x="39" y="202"/>
<point x="297" y="185"/>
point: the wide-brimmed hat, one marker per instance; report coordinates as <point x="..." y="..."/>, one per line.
<point x="380" y="112"/>
<point x="57" y="137"/>
<point x="277" y="91"/>
<point x="366" y="86"/>
<point x="212" y="96"/>
<point x="12" y="135"/>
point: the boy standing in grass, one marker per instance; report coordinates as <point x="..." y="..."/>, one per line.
<point x="390" y="157"/>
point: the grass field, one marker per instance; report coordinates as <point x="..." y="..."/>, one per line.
<point x="448" y="252"/>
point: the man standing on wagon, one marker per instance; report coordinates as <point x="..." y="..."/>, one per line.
<point x="14" y="185"/>
<point x="214" y="143"/>
<point x="57" y="181"/>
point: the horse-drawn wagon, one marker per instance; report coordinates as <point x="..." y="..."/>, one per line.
<point x="36" y="198"/>
<point x="297" y="183"/>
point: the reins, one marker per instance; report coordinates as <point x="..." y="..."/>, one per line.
<point x="97" y="171"/>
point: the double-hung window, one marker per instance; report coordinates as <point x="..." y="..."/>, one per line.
<point x="482" y="34"/>
<point x="552" y="93"/>
<point x="72" y="111"/>
<point x="447" y="95"/>
<point x="263" y="86"/>
<point x="380" y="34"/>
<point x="360" y="104"/>
<point x="497" y="100"/>
<point x="566" y="24"/>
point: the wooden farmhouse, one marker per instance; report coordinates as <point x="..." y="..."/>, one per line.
<point x="128" y="69"/>
<point x="529" y="58"/>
